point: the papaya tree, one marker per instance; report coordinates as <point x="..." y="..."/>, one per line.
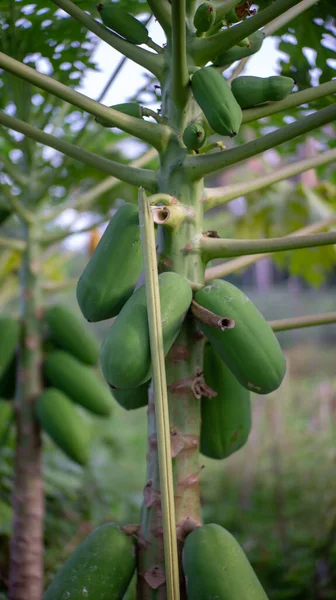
<point x="204" y="314"/>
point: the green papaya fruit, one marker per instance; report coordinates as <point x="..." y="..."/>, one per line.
<point x="79" y="382"/>
<point x="132" y="398"/>
<point x="125" y="353"/>
<point x="133" y="109"/>
<point x="250" y="349"/>
<point x="205" y="17"/>
<point x="60" y="419"/>
<point x="100" y="568"/>
<point x="6" y="415"/>
<point x="122" y="23"/>
<point x="112" y="273"/>
<point x="216" y="100"/>
<point x="237" y="52"/>
<point x="69" y="332"/>
<point x="215" y="566"/>
<point x="8" y="381"/>
<point x="251" y="91"/>
<point x="194" y="136"/>
<point x="9" y="338"/>
<point x="226" y="418"/>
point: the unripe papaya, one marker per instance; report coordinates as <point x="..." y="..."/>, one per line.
<point x="251" y="91"/>
<point x="69" y="332"/>
<point x="226" y="418"/>
<point x="8" y="381"/>
<point x="216" y="100"/>
<point x="250" y="349"/>
<point x="122" y="23"/>
<point x="205" y="17"/>
<point x="79" y="382"/>
<point x="112" y="273"/>
<point x="215" y="566"/>
<point x="125" y="353"/>
<point x="133" y="398"/>
<point x="133" y="109"/>
<point x="194" y="136"/>
<point x="6" y="415"/>
<point x="60" y="419"/>
<point x="237" y="52"/>
<point x="100" y="568"/>
<point x="9" y="337"/>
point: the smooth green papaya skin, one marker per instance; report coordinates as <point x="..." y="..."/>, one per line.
<point x="205" y="17"/>
<point x="226" y="418"/>
<point x="71" y="333"/>
<point x="122" y="23"/>
<point x="9" y="337"/>
<point x="60" y="419"/>
<point x="237" y="52"/>
<point x="133" y="398"/>
<point x="194" y="136"/>
<point x="250" y="349"/>
<point x="216" y="567"/>
<point x="79" y="382"/>
<point x="113" y="271"/>
<point x="251" y="91"/>
<point x="8" y="381"/>
<point x="125" y="352"/>
<point x="6" y="415"/>
<point x="217" y="102"/>
<point x="100" y="568"/>
<point x="133" y="109"/>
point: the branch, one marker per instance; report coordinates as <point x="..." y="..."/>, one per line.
<point x="232" y="266"/>
<point x="210" y="318"/>
<point x="296" y="99"/>
<point x="47" y="239"/>
<point x="128" y="174"/>
<point x="150" y="61"/>
<point x="288" y="16"/>
<point x="198" y="166"/>
<point x="305" y="321"/>
<point x="58" y="286"/>
<point x="12" y="170"/>
<point x="156" y="135"/>
<point x="204" y="50"/>
<point x="12" y="244"/>
<point x="180" y="75"/>
<point x="20" y="209"/>
<point x="161" y="11"/>
<point x="226" y="248"/>
<point x="222" y="195"/>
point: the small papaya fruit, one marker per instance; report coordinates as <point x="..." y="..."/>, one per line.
<point x="205" y="17"/>
<point x="60" y="419"/>
<point x="251" y="91"/>
<point x="237" y="52"/>
<point x="9" y="337"/>
<point x="122" y="23"/>
<point x="69" y="332"/>
<point x="226" y="418"/>
<point x="215" y="566"/>
<point x="133" y="398"/>
<point x="101" y="567"/>
<point x="79" y="382"/>
<point x="216" y="100"/>
<point x="125" y="353"/>
<point x="250" y="349"/>
<point x="112" y="273"/>
<point x="194" y="136"/>
<point x="133" y="109"/>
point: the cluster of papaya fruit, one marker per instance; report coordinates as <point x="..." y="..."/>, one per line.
<point x="239" y="360"/>
<point x="88" y="572"/>
<point x="70" y="351"/>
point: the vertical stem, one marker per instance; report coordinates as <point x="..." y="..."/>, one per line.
<point x="180" y="75"/>
<point x="26" y="571"/>
<point x="183" y="365"/>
